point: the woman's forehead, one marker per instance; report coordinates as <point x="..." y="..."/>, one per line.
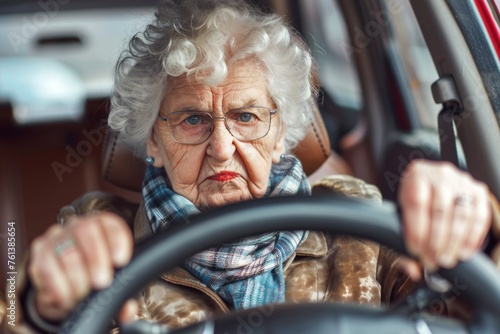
<point x="245" y="82"/>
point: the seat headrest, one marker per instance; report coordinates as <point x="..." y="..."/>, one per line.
<point x="123" y="169"/>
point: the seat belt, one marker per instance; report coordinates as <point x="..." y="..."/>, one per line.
<point x="447" y="141"/>
<point x="445" y="92"/>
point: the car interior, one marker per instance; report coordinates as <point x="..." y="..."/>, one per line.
<point x="391" y="75"/>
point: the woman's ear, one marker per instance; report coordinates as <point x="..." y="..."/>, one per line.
<point x="154" y="148"/>
<point x="279" y="146"/>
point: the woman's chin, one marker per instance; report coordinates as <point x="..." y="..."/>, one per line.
<point x="223" y="197"/>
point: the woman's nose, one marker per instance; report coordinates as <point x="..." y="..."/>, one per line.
<point x="220" y="143"/>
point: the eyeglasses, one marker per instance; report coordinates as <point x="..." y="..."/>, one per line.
<point x="195" y="127"/>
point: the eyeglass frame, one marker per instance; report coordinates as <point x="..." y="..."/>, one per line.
<point x="271" y="113"/>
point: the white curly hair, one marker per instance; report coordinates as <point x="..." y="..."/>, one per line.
<point x="202" y="38"/>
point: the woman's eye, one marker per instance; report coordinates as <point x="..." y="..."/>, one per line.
<point x="193" y="120"/>
<point x="246" y="117"/>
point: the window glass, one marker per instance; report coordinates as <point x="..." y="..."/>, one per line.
<point x="417" y="61"/>
<point x="325" y="31"/>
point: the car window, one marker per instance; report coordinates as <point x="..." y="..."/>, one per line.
<point x="325" y="31"/>
<point x="417" y="61"/>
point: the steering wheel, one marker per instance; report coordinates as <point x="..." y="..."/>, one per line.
<point x="331" y="214"/>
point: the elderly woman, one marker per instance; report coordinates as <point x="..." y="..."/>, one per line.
<point x="214" y="95"/>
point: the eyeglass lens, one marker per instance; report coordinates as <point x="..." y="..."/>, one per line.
<point x="245" y="124"/>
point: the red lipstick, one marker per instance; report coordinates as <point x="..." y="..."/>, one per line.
<point x="223" y="176"/>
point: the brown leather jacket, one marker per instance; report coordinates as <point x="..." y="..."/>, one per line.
<point x="324" y="268"/>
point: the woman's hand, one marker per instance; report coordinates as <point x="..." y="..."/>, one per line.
<point x="446" y="213"/>
<point x="66" y="263"/>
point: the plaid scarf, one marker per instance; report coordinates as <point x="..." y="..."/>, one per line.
<point x="245" y="273"/>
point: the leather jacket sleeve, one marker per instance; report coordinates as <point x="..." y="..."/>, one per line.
<point x="96" y="201"/>
<point x="396" y="285"/>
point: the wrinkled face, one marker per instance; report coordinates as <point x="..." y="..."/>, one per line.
<point x="223" y="169"/>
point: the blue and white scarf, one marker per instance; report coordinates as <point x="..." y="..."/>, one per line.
<point x="246" y="273"/>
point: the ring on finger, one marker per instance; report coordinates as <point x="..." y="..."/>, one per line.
<point x="464" y="200"/>
<point x="63" y="246"/>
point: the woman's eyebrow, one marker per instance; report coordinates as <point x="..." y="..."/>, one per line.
<point x="234" y="105"/>
<point x="190" y="108"/>
<point x="244" y="103"/>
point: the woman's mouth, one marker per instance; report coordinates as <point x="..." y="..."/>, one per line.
<point x="223" y="176"/>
